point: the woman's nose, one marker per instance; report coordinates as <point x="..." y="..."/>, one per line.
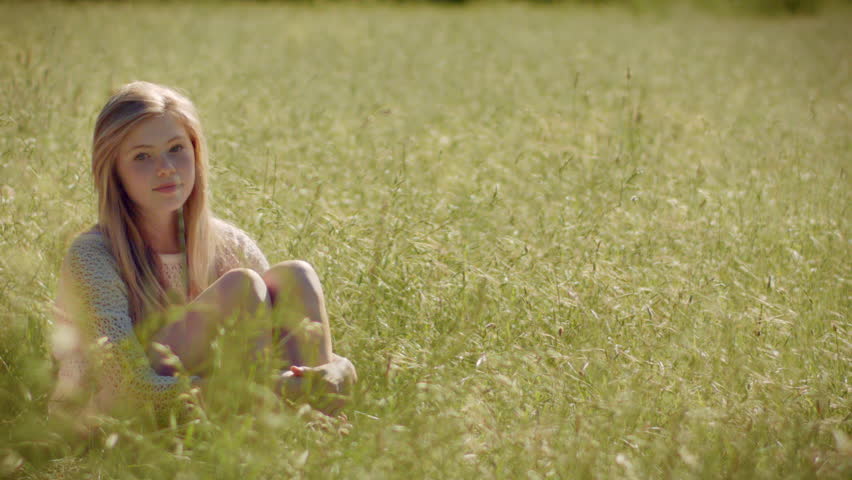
<point x="166" y="166"/>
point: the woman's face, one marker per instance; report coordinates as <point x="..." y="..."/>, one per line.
<point x="156" y="165"/>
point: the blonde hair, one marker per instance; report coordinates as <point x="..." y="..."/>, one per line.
<point x="117" y="220"/>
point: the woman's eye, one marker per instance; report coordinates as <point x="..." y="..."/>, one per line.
<point x="141" y="156"/>
<point x="176" y="148"/>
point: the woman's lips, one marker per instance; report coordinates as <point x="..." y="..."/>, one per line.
<point x="167" y="188"/>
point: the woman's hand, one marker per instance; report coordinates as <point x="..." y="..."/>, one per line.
<point x="326" y="387"/>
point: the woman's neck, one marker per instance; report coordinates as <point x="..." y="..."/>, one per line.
<point x="161" y="233"/>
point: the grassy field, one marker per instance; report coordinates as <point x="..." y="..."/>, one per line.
<point x="557" y="242"/>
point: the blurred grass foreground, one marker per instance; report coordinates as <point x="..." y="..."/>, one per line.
<point x="557" y="241"/>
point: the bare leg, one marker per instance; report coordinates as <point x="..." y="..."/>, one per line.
<point x="296" y="294"/>
<point x="293" y="291"/>
<point x="322" y="379"/>
<point x="238" y="292"/>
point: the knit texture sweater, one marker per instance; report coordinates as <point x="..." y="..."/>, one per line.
<point x="95" y="344"/>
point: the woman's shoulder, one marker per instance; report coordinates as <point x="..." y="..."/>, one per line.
<point x="237" y="248"/>
<point x="89" y="257"/>
<point x="230" y="235"/>
<point x="89" y="244"/>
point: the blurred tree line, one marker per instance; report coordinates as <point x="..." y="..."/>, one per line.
<point x="755" y="6"/>
<point x="730" y="6"/>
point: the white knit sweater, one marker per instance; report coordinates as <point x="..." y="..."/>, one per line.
<point x="92" y="307"/>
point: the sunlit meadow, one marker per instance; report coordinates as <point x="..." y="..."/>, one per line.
<point x="557" y="241"/>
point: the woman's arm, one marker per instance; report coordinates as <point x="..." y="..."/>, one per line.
<point x="96" y="301"/>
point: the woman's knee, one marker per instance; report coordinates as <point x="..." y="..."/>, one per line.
<point x="244" y="287"/>
<point x="294" y="276"/>
<point x="297" y="269"/>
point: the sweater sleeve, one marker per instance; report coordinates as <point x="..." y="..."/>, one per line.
<point x="98" y="305"/>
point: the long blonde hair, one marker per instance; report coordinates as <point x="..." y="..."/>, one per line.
<point x="117" y="221"/>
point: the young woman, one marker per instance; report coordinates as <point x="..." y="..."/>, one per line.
<point x="156" y="244"/>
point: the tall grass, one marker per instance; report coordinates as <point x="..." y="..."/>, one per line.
<point x="556" y="242"/>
